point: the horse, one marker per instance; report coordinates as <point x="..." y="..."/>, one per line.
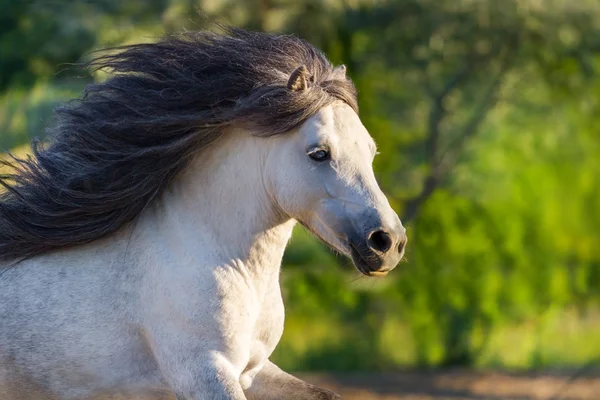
<point x="141" y="244"/>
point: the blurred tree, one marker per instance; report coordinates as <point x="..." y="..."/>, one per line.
<point x="430" y="73"/>
<point x="447" y="63"/>
<point x="38" y="37"/>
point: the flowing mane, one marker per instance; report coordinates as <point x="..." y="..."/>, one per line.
<point x="114" y="150"/>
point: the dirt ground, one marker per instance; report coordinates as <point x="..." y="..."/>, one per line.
<point x="463" y="385"/>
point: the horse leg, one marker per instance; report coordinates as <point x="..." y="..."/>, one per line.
<point x="211" y="385"/>
<point x="202" y="377"/>
<point x="271" y="383"/>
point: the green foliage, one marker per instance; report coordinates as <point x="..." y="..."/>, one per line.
<point x="25" y="113"/>
<point x="486" y="117"/>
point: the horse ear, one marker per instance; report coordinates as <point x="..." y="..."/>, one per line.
<point x="340" y="71"/>
<point x="299" y="79"/>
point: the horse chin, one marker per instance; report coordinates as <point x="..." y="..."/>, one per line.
<point x="350" y="251"/>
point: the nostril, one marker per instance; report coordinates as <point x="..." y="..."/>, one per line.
<point x="380" y="241"/>
<point x="402" y="245"/>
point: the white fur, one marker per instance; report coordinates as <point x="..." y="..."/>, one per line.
<point x="187" y="299"/>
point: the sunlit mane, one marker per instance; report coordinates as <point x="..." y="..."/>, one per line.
<point x="113" y="151"/>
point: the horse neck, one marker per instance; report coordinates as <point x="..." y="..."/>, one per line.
<point x="219" y="209"/>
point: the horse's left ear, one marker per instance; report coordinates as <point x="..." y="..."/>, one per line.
<point x="299" y="79"/>
<point x="340" y="70"/>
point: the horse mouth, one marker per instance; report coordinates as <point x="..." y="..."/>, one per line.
<point x="363" y="266"/>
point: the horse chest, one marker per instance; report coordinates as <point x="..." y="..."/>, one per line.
<point x="269" y="324"/>
<point x="267" y="332"/>
<point x="247" y="317"/>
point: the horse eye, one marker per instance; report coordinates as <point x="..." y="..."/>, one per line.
<point x="319" y="155"/>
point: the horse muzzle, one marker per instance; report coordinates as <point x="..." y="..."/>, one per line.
<point x="378" y="251"/>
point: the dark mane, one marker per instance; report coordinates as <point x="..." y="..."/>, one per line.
<point x="114" y="150"/>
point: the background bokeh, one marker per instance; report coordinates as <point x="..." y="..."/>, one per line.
<point x="486" y="114"/>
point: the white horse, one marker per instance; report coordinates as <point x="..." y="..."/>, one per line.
<point x="141" y="248"/>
